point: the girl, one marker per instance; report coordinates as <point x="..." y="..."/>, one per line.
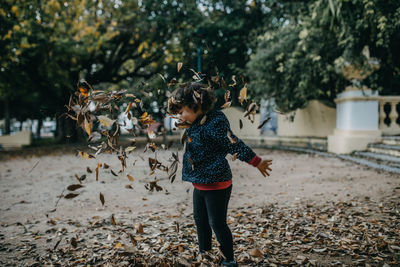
<point x="208" y="140"/>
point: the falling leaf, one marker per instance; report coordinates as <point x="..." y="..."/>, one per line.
<point x="251" y="109"/>
<point x="227" y="95"/>
<point x="162" y="77"/>
<point x="231" y="139"/>
<point x="153" y="185"/>
<point x="191" y="162"/>
<point x="128" y="186"/>
<point x="71" y="195"/>
<point x="240" y="124"/>
<point x="234" y="81"/>
<point x="105" y="166"/>
<point x="130" y="178"/>
<point x="242" y="94"/>
<point x="88" y="127"/>
<point x="223" y="83"/>
<point x="94" y="137"/>
<point x="130" y="148"/>
<point x="97" y="171"/>
<point x="113" y="220"/>
<point x="234" y="156"/>
<point x="128" y="108"/>
<point x="203" y="120"/>
<point x="179" y="66"/>
<point x="113" y="173"/>
<point x="105" y="121"/>
<point x="263" y="123"/>
<point x="74" y="187"/>
<point x="226" y="105"/>
<point x="88" y="170"/>
<point x="151" y="134"/>
<point x="85" y="155"/>
<point x="102" y="199"/>
<point x="77" y="178"/>
<point x="172" y="171"/>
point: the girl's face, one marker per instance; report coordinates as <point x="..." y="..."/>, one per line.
<point x="188" y="114"/>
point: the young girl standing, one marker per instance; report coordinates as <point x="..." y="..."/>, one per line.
<point x="208" y="140"/>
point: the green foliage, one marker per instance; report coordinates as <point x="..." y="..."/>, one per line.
<point x="299" y="61"/>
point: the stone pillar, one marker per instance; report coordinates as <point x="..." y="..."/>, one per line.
<point x="357" y="121"/>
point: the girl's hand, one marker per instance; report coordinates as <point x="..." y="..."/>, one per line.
<point x="263" y="166"/>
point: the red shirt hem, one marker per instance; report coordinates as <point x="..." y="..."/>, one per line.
<point x="213" y="186"/>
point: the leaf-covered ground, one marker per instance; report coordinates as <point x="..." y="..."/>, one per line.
<point x="312" y="211"/>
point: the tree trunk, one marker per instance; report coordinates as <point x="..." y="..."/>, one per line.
<point x="40" y="123"/>
<point x="66" y="131"/>
<point x="7" y="117"/>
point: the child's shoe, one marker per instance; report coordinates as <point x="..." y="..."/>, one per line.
<point x="226" y="263"/>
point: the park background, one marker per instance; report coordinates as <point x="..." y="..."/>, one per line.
<point x="326" y="72"/>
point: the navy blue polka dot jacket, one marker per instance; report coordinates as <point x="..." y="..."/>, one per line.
<point x="207" y="145"/>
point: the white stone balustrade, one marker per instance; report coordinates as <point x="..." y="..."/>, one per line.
<point x="393" y="128"/>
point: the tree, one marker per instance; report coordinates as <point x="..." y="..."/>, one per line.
<point x="49" y="45"/>
<point x="302" y="60"/>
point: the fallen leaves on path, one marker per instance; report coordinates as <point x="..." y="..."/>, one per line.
<point x="361" y="232"/>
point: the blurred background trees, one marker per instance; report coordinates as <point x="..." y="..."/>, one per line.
<point x="292" y="51"/>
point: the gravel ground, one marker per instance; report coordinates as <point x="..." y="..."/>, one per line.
<point x="30" y="228"/>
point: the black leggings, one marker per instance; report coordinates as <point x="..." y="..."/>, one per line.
<point x="209" y="210"/>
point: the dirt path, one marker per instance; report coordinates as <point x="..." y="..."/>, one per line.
<point x="30" y="188"/>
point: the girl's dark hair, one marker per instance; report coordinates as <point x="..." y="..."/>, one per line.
<point x="194" y="95"/>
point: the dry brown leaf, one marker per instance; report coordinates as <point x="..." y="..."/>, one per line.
<point x="263" y="123"/>
<point x="227" y="95"/>
<point x="151" y="134"/>
<point x="203" y="120"/>
<point x="139" y="228"/>
<point x="88" y="127"/>
<point x="74" y="187"/>
<point x="119" y="245"/>
<point x="234" y="156"/>
<point x="77" y="178"/>
<point x="128" y="186"/>
<point x="71" y="195"/>
<point x="223" y="83"/>
<point x="102" y="199"/>
<point x="242" y="94"/>
<point x="130" y="148"/>
<point x="105" y="121"/>
<point x="85" y="155"/>
<point x="256" y="253"/>
<point x="226" y="105"/>
<point x="231" y="139"/>
<point x="128" y="108"/>
<point x="130" y="178"/>
<point x="179" y="66"/>
<point x="74" y="242"/>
